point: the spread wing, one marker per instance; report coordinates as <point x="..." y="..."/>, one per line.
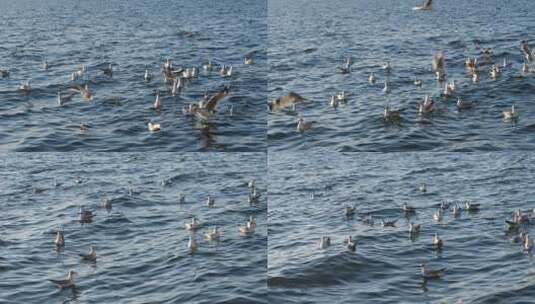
<point x="211" y="104"/>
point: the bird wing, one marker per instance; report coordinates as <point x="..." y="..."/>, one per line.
<point x="213" y="101"/>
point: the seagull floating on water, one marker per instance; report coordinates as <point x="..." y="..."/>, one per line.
<point x="60" y="239"/>
<point x="325" y="242"/>
<point x="346" y="68"/>
<point x="212" y="235"/>
<point x="427" y="6"/>
<point x="210" y="201"/>
<point x="431" y="274"/>
<point x="91" y="256"/>
<point x="372" y="79"/>
<point x="154" y="127"/>
<point x="334" y="102"/>
<point x="414" y="228"/>
<point x="287" y="101"/>
<point x="108" y="71"/>
<point x="437" y="242"/>
<point x="67" y="283"/>
<point x="193" y="225"/>
<point x="303" y="125"/>
<point x="510" y="115"/>
<point x="387" y="223"/>
<point x="437" y="216"/>
<point x="192" y="244"/>
<point x="526" y="51"/>
<point x="26" y="87"/>
<point x="351" y="244"/>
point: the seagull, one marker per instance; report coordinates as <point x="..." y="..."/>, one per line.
<point x="303" y="125"/>
<point x="325" y="242"/>
<point x="60" y="239"/>
<point x="349" y="211"/>
<point x="423" y="188"/>
<point x="248" y="59"/>
<point x="247" y="229"/>
<point x="193" y="225"/>
<point x="387" y="67"/>
<point x="63" y="99"/>
<point x="205" y="110"/>
<point x="287" y="101"/>
<point x="510" y="115"/>
<point x="463" y="104"/>
<point x="431" y="274"/>
<point x="427" y="106"/>
<point x="106" y="203"/>
<point x="528" y="243"/>
<point x="439" y="65"/>
<point x="210" y="201"/>
<point x="154" y="127"/>
<point x="513" y="226"/>
<point x="108" y="71"/>
<point x="526" y="50"/>
<point x="251" y="183"/>
<point x="351" y="244"/>
<point x="388" y="223"/>
<point x="192" y="244"/>
<point x="372" y="79"/>
<point x="495" y="72"/>
<point x="26" y="87"/>
<point x="212" y="235"/>
<point x="438" y="215"/>
<point x="437" y="242"/>
<point x="334" y="102"/>
<point x="418" y="82"/>
<point x="414" y="228"/>
<point x="226" y="71"/>
<point x="67" y="283"/>
<point x="84" y="91"/>
<point x="91" y="256"/>
<point x="346" y="68"/>
<point x="158" y="102"/>
<point x="386" y="88"/>
<point x="428" y="5"/>
<point x="147" y="76"/>
<point x="86" y="216"/>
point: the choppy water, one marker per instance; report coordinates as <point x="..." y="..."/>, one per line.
<point x="483" y="264"/>
<point x="141" y="244"/>
<point x="309" y="39"/>
<point x="133" y="36"/>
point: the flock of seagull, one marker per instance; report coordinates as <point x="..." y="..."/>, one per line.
<point x="474" y="68"/>
<point x="86" y="216"/>
<point x="175" y="79"/>
<point x="517" y="228"/>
